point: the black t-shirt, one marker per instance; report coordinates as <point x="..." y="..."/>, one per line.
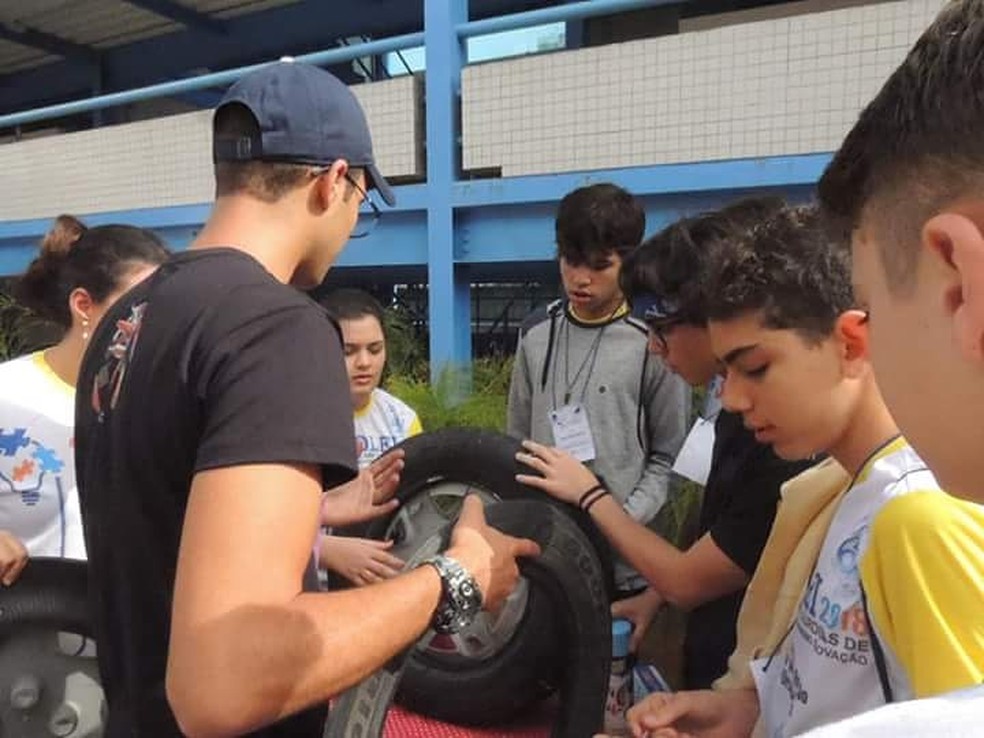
<point x="739" y="506"/>
<point x="209" y="363"/>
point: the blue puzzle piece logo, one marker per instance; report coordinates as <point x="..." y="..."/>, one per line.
<point x="48" y="459"/>
<point x="11" y="442"/>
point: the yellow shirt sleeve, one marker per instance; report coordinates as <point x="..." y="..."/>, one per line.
<point x="415" y="427"/>
<point x="923" y="573"/>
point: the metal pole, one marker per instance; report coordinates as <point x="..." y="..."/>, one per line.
<point x="448" y="304"/>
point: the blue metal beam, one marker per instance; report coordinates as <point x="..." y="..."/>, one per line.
<point x="445" y="53"/>
<point x="498" y="220"/>
<point x="182" y="14"/>
<point x="779" y="171"/>
<point x="49" y="43"/>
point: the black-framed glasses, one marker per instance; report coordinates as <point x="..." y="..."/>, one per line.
<point x="660" y="328"/>
<point x="367" y="219"/>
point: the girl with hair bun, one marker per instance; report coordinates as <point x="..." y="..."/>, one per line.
<point x="78" y="274"/>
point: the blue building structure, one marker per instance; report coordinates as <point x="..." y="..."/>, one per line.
<point x="457" y="227"/>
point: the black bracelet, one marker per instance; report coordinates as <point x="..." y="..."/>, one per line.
<point x="604" y="493"/>
<point x="584" y="497"/>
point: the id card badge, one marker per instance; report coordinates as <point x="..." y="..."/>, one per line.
<point x="694" y="459"/>
<point x="572" y="433"/>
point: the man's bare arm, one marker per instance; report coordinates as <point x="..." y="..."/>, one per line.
<point x="247" y="646"/>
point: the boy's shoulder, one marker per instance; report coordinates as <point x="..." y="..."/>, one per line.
<point x="924" y="514"/>
<point x="541" y="317"/>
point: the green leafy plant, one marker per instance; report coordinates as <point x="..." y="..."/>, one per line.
<point x="449" y="402"/>
<point x="16" y="322"/>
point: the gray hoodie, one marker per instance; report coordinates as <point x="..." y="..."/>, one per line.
<point x="636" y="407"/>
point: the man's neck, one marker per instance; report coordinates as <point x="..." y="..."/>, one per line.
<point x="263" y="231"/>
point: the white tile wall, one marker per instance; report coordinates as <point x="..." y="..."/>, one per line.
<point x="167" y="161"/>
<point x="773" y="87"/>
<point x="782" y="86"/>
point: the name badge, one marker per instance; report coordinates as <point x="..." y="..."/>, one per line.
<point x="694" y="459"/>
<point x="572" y="433"/>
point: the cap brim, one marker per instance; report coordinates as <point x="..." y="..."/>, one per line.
<point x="380" y="184"/>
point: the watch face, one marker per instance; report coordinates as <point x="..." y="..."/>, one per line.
<point x="461" y="600"/>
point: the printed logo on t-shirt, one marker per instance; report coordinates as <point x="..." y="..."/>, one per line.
<point x="25" y="464"/>
<point x="371" y="447"/>
<point x="109" y="379"/>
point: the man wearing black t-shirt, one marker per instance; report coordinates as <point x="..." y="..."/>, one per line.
<point x="663" y="279"/>
<point x="213" y="410"/>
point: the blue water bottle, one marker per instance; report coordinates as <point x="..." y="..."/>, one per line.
<point x="620" y="681"/>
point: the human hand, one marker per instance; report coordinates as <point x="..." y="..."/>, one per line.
<point x="561" y="475"/>
<point x="386" y="472"/>
<point x="640" y="611"/>
<point x="360" y="560"/>
<point x="355" y="501"/>
<point x="697" y="714"/>
<point x="487" y="554"/>
<point x="13" y="557"/>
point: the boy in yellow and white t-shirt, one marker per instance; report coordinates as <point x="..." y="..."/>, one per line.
<point x="782" y="320"/>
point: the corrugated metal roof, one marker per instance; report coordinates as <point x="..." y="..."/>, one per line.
<point x="99" y="24"/>
<point x="14" y="57"/>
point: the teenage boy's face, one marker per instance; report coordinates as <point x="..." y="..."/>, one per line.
<point x="592" y="287"/>
<point x="789" y="391"/>
<point x="685" y="349"/>
<point x="927" y="339"/>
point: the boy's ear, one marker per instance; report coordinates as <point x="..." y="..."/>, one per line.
<point x="852" y="330"/>
<point x="954" y="245"/>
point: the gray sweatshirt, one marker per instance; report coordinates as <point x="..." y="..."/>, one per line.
<point x="636" y="407"/>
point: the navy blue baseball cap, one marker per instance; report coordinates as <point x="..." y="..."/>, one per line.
<point x="306" y="116"/>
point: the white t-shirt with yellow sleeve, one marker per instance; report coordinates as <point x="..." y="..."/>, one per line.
<point x="39" y="501"/>
<point x="381" y="425"/>
<point x="923" y="574"/>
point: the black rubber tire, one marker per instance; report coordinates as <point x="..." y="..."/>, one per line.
<point x="569" y="576"/>
<point x="482" y="458"/>
<point x="50" y="593"/>
<point x="529" y="667"/>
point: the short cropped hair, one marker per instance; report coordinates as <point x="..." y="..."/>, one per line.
<point x="264" y="180"/>
<point x="918" y="144"/>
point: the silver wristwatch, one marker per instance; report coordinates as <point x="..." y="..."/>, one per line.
<point x="461" y="598"/>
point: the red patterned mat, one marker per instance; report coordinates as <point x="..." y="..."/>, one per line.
<point x="403" y="724"/>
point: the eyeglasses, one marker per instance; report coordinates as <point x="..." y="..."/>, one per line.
<point x="660" y="328"/>
<point x="366" y="225"/>
<point x="367" y="219"/>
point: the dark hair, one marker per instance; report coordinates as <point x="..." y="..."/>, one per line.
<point x="596" y="220"/>
<point x="351" y="304"/>
<point x="264" y="180"/>
<point x="671" y="264"/>
<point x="787" y="267"/>
<point x="95" y="259"/>
<point x="918" y="144"/>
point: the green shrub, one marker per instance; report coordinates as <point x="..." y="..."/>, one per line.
<point x="449" y="402"/>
